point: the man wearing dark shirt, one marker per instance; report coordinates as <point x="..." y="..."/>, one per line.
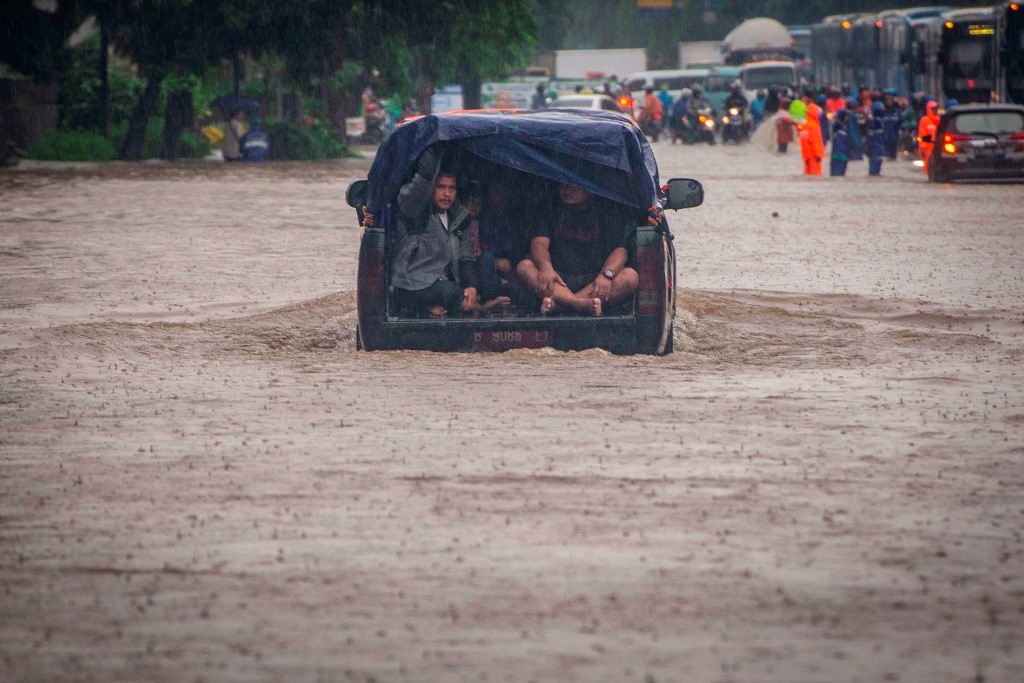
<point x="580" y="261"/>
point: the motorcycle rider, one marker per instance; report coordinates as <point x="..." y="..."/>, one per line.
<point x="737" y="100"/>
<point x="757" y="108"/>
<point x="679" y="123"/>
<point x="666" y="103"/>
<point x="651" y="117"/>
<point x="697" y="106"/>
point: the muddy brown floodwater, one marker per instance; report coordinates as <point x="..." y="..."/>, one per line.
<point x="202" y="479"/>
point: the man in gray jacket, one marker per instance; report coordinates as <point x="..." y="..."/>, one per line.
<point x="434" y="269"/>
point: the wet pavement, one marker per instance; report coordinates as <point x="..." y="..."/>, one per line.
<point x="202" y="479"/>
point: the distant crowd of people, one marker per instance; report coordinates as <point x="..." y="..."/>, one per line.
<point x="842" y="125"/>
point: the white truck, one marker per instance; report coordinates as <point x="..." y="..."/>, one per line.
<point x="599" y="64"/>
<point x="756" y="76"/>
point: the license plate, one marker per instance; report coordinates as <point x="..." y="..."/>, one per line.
<point x="987" y="152"/>
<point x="503" y="340"/>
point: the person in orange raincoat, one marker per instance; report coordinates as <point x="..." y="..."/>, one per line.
<point x="812" y="146"/>
<point x="654" y="110"/>
<point x="926" y="128"/>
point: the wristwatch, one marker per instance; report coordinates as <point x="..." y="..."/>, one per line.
<point x="609" y="273"/>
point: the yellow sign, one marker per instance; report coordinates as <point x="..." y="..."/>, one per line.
<point x="654" y="4"/>
<point x="981" y="30"/>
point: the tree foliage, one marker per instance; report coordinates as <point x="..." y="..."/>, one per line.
<point x="33" y="40"/>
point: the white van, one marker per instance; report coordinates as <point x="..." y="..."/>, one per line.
<point x="675" y="79"/>
<point x="763" y="75"/>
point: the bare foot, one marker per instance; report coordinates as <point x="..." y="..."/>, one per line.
<point x="496" y="302"/>
<point x="596" y="310"/>
<point x="438" y="311"/>
<point x="547" y="305"/>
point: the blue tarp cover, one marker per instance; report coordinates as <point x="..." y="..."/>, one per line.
<point x="600" y="151"/>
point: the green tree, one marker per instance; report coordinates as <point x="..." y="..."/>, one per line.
<point x="33" y="41"/>
<point x="486" y="40"/>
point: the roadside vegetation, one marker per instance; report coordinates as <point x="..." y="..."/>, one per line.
<point x="142" y="74"/>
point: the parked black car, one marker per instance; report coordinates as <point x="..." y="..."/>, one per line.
<point x="979" y="142"/>
<point x="601" y="151"/>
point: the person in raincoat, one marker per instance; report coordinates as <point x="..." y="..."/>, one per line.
<point x="858" y="121"/>
<point x="824" y="119"/>
<point x="812" y="146"/>
<point x="926" y="132"/>
<point x="666" y="103"/>
<point x="784" y="126"/>
<point x="892" y="119"/>
<point x="840" y="142"/>
<point x="875" y="146"/>
<point x="255" y="143"/>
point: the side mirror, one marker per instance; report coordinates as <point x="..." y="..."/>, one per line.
<point x="684" y="193"/>
<point x="355" y="195"/>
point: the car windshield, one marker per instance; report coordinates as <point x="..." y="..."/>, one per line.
<point x="989" y="122"/>
<point x="754" y="79"/>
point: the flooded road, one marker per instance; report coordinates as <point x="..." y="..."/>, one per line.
<point x="201" y="479"/>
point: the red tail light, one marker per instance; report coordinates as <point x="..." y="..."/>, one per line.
<point x="626" y="102"/>
<point x="371" y="282"/>
<point x="1017" y="136"/>
<point x="955" y="137"/>
<point x="650" y="293"/>
<point x="657" y="116"/>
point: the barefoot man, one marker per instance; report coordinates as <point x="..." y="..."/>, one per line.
<point x="579" y="262"/>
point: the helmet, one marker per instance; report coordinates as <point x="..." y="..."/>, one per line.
<point x="798" y="110"/>
<point x="696" y="89"/>
<point x="877" y="106"/>
<point x="735" y="87"/>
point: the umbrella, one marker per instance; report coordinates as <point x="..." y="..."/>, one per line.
<point x="230" y="103"/>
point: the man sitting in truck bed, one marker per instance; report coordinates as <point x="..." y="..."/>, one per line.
<point x="579" y="260"/>
<point x="434" y="269"/>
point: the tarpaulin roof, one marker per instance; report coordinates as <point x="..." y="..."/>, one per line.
<point x="602" y="152"/>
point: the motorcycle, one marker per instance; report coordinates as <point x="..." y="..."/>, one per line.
<point x="705" y="126"/>
<point x="734" y="126"/>
<point x="376" y="126"/>
<point x="680" y="129"/>
<point x="651" y="126"/>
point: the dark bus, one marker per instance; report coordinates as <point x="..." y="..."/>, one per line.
<point x="1010" y="52"/>
<point x="864" y="34"/>
<point x="967" y="52"/>
<point x="904" y="57"/>
<point x="833" y="50"/>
